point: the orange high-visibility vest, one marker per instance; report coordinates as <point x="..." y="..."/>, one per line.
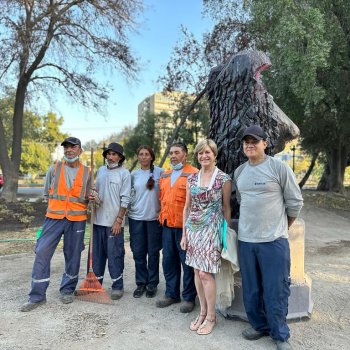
<point x="172" y="199"/>
<point x="65" y="203"/>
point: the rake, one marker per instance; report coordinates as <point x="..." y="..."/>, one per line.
<point x="90" y="288"/>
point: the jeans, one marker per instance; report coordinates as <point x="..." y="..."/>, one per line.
<point x="265" y="270"/>
<point x="173" y="258"/>
<point x="107" y="246"/>
<point x="73" y="244"/>
<point x="145" y="243"/>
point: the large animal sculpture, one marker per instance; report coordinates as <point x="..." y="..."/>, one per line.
<point x="237" y="99"/>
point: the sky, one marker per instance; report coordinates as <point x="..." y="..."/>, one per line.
<point x="157" y="35"/>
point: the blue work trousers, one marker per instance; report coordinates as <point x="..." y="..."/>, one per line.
<point x="173" y="258"/>
<point x="145" y="244"/>
<point x="265" y="270"/>
<point x="73" y="244"/>
<point x="108" y="247"/>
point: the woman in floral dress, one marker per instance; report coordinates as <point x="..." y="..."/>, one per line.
<point x="207" y="205"/>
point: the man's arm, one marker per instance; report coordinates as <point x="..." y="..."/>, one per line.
<point x="125" y="195"/>
<point x="48" y="180"/>
<point x="291" y="192"/>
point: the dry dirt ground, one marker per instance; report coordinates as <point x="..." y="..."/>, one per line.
<point x="137" y="324"/>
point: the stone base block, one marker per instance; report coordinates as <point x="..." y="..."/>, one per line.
<point x="299" y="304"/>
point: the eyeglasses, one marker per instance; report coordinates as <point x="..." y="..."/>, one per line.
<point x="251" y="142"/>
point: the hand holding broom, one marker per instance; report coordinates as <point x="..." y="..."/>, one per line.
<point x="90" y="288"/>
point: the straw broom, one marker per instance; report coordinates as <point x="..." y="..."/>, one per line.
<point x="90" y="288"/>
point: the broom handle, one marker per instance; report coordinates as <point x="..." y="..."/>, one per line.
<point x="92" y="209"/>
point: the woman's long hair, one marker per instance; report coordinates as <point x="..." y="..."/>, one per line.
<point x="150" y="183"/>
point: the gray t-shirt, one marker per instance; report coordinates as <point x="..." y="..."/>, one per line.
<point x="145" y="204"/>
<point x="267" y="193"/>
<point x="113" y="187"/>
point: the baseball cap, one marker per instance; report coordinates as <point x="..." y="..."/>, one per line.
<point x="72" y="140"/>
<point x="255" y="131"/>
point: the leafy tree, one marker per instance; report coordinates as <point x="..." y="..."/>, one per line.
<point x="309" y="45"/>
<point x="46" y="44"/>
<point x="41" y="135"/>
<point x="36" y="158"/>
<point x="144" y="133"/>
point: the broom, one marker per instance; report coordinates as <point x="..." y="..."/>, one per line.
<point x="90" y="288"/>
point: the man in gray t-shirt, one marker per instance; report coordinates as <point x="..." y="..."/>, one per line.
<point x="113" y="186"/>
<point x="270" y="200"/>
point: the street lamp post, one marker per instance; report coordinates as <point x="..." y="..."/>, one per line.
<point x="293" y="149"/>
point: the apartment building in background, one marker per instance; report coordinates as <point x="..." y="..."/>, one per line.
<point x="159" y="102"/>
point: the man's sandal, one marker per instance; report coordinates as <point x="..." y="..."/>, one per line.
<point x="197" y="322"/>
<point x="207" y="326"/>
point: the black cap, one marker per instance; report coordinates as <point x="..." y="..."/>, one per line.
<point x="72" y="140"/>
<point x="254" y="131"/>
<point x="115" y="147"/>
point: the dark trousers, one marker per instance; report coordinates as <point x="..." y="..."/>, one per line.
<point x="108" y="247"/>
<point x="145" y="243"/>
<point x="265" y="270"/>
<point x="73" y="244"/>
<point x="173" y="258"/>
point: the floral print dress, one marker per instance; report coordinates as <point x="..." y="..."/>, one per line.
<point x="204" y="223"/>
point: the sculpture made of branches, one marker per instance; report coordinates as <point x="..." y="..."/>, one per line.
<point x="238" y="99"/>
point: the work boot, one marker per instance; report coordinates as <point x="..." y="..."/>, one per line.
<point x="31" y="306"/>
<point x="66" y="298"/>
<point x="138" y="292"/>
<point x="166" y="301"/>
<point x="283" y="345"/>
<point x="187" y="306"/>
<point x="117" y="294"/>
<point x="252" y="334"/>
<point x="151" y="291"/>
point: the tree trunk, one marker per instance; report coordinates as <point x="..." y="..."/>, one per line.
<point x="323" y="184"/>
<point x="11" y="166"/>
<point x="309" y="170"/>
<point x="333" y="176"/>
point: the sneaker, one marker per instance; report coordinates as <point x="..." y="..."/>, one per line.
<point x="151" y="291"/>
<point x="31" y="306"/>
<point x="117" y="294"/>
<point x="166" y="301"/>
<point x="187" y="306"/>
<point x="252" y="334"/>
<point x="66" y="298"/>
<point x="283" y="345"/>
<point x="138" y="292"/>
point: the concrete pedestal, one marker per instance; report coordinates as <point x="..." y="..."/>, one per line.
<point x="300" y="303"/>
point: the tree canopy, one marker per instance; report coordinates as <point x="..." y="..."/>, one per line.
<point x="48" y="46"/>
<point x="309" y="46"/>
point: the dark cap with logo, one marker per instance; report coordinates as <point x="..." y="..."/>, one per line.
<point x="115" y="147"/>
<point x="254" y="131"/>
<point x="71" y="140"/>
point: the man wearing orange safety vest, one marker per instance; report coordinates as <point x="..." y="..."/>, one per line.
<point x="172" y="185"/>
<point x="67" y="186"/>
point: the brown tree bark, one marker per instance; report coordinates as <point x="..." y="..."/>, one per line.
<point x="333" y="176"/>
<point x="309" y="170"/>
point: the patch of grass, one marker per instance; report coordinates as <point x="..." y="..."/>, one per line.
<point x="328" y="200"/>
<point x="23" y="241"/>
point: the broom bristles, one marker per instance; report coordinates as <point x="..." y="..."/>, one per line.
<point x="91" y="290"/>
